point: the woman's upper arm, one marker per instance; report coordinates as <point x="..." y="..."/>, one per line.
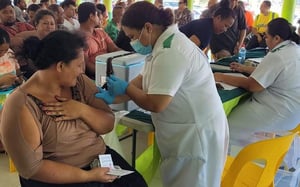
<point x="254" y="86"/>
<point x="22" y="139"/>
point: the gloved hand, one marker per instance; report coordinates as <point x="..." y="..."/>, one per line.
<point x="105" y="96"/>
<point x="116" y="86"/>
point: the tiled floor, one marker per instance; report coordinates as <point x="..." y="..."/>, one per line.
<point x="8" y="179"/>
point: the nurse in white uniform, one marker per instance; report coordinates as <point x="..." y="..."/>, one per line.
<point x="275" y="83"/>
<point x="178" y="87"/>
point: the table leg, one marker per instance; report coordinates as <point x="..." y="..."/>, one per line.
<point x="133" y="153"/>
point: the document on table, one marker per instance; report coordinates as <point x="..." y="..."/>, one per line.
<point x="257" y="60"/>
<point x="227" y="86"/>
<point x="220" y="67"/>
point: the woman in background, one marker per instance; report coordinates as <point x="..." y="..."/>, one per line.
<point x="275" y="102"/>
<point x="8" y="64"/>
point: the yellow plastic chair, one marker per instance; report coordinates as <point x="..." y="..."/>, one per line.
<point x="257" y="163"/>
<point x="296" y="129"/>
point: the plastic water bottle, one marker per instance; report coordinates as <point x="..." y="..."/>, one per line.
<point x="242" y="55"/>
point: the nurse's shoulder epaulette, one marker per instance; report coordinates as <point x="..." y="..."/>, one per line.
<point x="168" y="41"/>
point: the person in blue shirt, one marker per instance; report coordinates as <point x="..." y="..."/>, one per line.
<point x="200" y="31"/>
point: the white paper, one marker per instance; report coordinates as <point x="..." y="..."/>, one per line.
<point x="235" y="74"/>
<point x="258" y="60"/>
<point x="228" y="86"/>
<point x="119" y="172"/>
<point x="106" y="161"/>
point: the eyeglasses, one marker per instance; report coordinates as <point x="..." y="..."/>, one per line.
<point x="181" y="3"/>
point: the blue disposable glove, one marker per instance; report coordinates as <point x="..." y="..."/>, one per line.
<point x="116" y="86"/>
<point x="105" y="96"/>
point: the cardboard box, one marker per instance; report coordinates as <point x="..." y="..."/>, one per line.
<point x="125" y="67"/>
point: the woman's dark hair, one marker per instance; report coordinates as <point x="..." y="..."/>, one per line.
<point x="84" y="11"/>
<point x="40" y="14"/>
<point x="224" y="13"/>
<point x="55" y="47"/>
<point x="4" y="37"/>
<point x="141" y="12"/>
<point x="283" y="29"/>
<point x="33" y="7"/>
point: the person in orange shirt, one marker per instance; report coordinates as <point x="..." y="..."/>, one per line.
<point x="248" y="16"/>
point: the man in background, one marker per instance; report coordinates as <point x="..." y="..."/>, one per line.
<point x="9" y="22"/>
<point x="20" y="9"/>
<point x="260" y="25"/>
<point x="114" y="25"/>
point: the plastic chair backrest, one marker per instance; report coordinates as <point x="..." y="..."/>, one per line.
<point x="244" y="171"/>
<point x="296" y="129"/>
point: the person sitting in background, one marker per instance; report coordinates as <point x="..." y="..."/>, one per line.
<point x="8" y="20"/>
<point x="104" y="15"/>
<point x="31" y="11"/>
<point x="53" y="2"/>
<point x="44" y="22"/>
<point x="20" y="6"/>
<point x="200" y="31"/>
<point x="70" y="22"/>
<point x="44" y="4"/>
<point x="275" y="102"/>
<point x="129" y="2"/>
<point x="48" y="125"/>
<point x="9" y="67"/>
<point x="59" y="16"/>
<point x="211" y="8"/>
<point x="30" y="2"/>
<point x="97" y="39"/>
<point x="159" y="3"/>
<point x="260" y="26"/>
<point x="114" y="25"/>
<point x="182" y="15"/>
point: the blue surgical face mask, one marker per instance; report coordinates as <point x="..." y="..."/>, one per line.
<point x="139" y="47"/>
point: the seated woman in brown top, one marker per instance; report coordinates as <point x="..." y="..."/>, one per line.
<point x="51" y="124"/>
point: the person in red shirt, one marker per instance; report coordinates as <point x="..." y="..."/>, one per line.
<point x="9" y="22"/>
<point x="98" y="41"/>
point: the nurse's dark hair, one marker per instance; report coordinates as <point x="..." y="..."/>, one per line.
<point x="224" y="13"/>
<point x="4" y="37"/>
<point x="141" y="12"/>
<point x="283" y="29"/>
<point x="55" y="47"/>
